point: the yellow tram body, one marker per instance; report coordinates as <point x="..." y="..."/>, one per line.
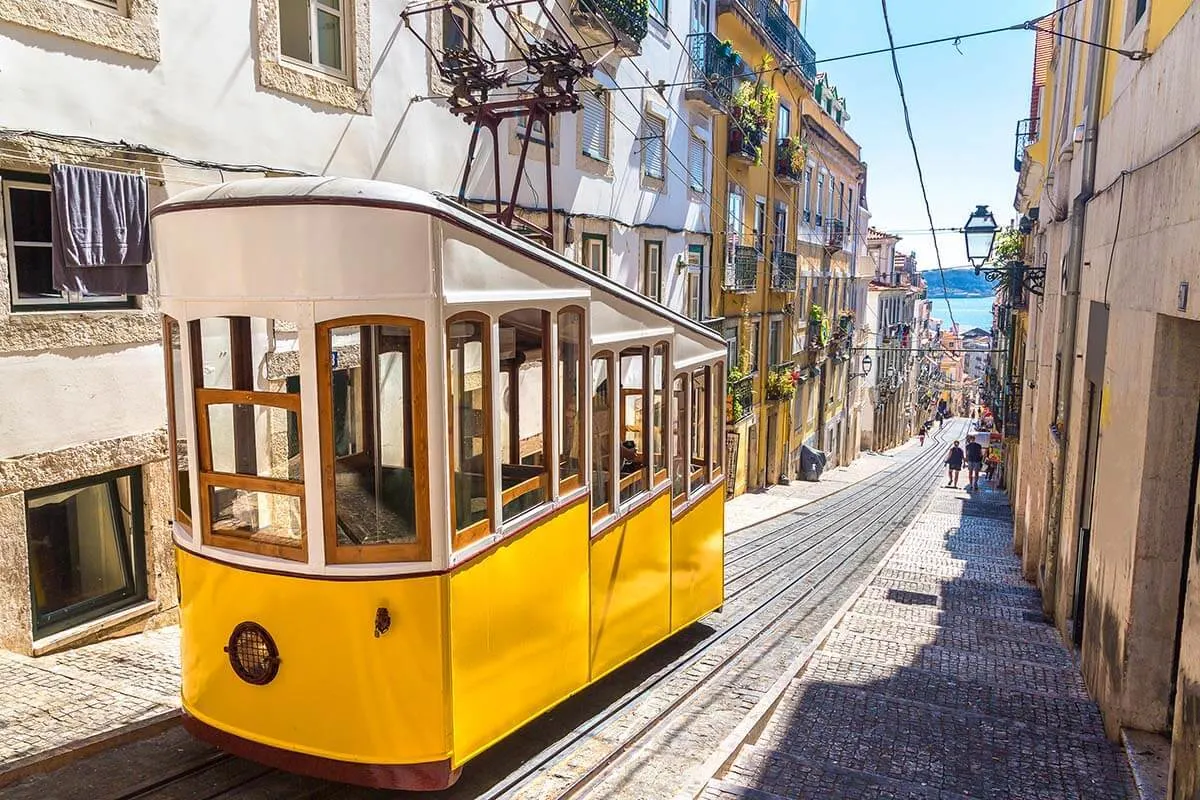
<point x="393" y="663"/>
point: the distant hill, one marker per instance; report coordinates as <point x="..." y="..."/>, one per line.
<point x="959" y="283"/>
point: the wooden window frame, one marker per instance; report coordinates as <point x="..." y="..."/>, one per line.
<point x="240" y="355"/>
<point x="684" y="434"/>
<point x="484" y="527"/>
<point x="582" y="406"/>
<point x="664" y="438"/>
<point x="542" y="481"/>
<point x="608" y="508"/>
<point x="704" y="472"/>
<point x="644" y="474"/>
<point x="716" y="404"/>
<point x="182" y="516"/>
<point x="421" y="549"/>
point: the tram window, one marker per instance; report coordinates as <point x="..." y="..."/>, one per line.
<point x="469" y="365"/>
<point x="679" y="455"/>
<point x="717" y="404"/>
<point x="635" y="477"/>
<point x="248" y="430"/>
<point x="658" y="381"/>
<point x="177" y="385"/>
<point x="700" y="429"/>
<point x="523" y="392"/>
<point x="570" y="390"/>
<point x="602" y="435"/>
<point x="373" y="407"/>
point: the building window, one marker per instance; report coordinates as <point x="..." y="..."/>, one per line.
<point x="732" y="351"/>
<point x="693" y="295"/>
<point x="635" y="434"/>
<point x="652" y="270"/>
<point x="595" y="125"/>
<point x="785" y="121"/>
<point x="820" y="198"/>
<point x="700" y="429"/>
<point x="313" y="32"/>
<point x="87" y="553"/>
<point x="755" y="329"/>
<point x="806" y="191"/>
<point x="734" y="209"/>
<point x="775" y="342"/>
<point x="679" y="457"/>
<point x="697" y="156"/>
<point x="595" y="252"/>
<point x="28" y="231"/>
<point x="602" y="436"/>
<point x="458" y="28"/>
<point x="760" y="223"/>
<point x="177" y="387"/>
<point x="571" y="422"/>
<point x="658" y="410"/>
<point x="372" y="401"/>
<point x="251" y="476"/>
<point x="654" y="146"/>
<point x="468" y="361"/>
<point x="538" y="134"/>
<point x="524" y="391"/>
<point x="658" y="10"/>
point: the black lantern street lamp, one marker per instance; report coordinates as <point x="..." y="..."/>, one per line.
<point x="980" y="233"/>
<point x="866" y="367"/>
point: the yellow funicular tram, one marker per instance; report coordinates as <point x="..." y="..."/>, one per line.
<point x="432" y="478"/>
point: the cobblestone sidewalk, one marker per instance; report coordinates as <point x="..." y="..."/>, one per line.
<point x="56" y="704"/>
<point x="943" y="681"/>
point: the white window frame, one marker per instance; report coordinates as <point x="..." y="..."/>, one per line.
<point x="595" y="244"/>
<point x="314" y="46"/>
<point x="819" y="219"/>
<point x="605" y="103"/>
<point x="735" y="221"/>
<point x="519" y="131"/>
<point x="64" y="299"/>
<point x="808" y="185"/>
<point x="694" y="293"/>
<point x="694" y="143"/>
<point x="652" y="252"/>
<point x="662" y="142"/>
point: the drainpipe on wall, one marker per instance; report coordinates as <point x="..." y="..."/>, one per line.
<point x="1074" y="269"/>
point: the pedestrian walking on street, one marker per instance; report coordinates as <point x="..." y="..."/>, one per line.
<point x="974" y="464"/>
<point x="954" y="462"/>
<point x="921" y="435"/>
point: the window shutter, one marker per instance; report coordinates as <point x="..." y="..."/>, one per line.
<point x="696" y="160"/>
<point x="595" y="126"/>
<point x="654" y="133"/>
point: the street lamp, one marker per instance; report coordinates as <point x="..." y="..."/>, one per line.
<point x="866" y="367"/>
<point x="980" y="233"/>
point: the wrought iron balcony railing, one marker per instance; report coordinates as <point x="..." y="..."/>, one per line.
<point x="741" y="268"/>
<point x="783" y="271"/>
<point x="1027" y="134"/>
<point x="741" y="399"/>
<point x="792" y="50"/>
<point x="833" y="234"/>
<point x="713" y="66"/>
<point x="786" y="168"/>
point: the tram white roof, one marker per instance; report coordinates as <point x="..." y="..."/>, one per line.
<point x="245" y="244"/>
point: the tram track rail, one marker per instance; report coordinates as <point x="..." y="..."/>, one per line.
<point x="863" y="534"/>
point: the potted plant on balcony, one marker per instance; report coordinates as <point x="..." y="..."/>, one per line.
<point x="818" y="326"/>
<point x="793" y="155"/>
<point x="752" y="109"/>
<point x="781" y="385"/>
<point x="725" y="48"/>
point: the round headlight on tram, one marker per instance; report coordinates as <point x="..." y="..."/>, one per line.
<point x="253" y="654"/>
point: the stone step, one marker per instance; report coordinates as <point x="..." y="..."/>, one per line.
<point x="948" y="750"/>
<point x="968" y="591"/>
<point x="787" y="775"/>
<point x="959" y="663"/>
<point x="1015" y="625"/>
<point x="1019" y="703"/>
<point x="956" y="605"/>
<point x="717" y="789"/>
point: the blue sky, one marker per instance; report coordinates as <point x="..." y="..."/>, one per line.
<point x="964" y="108"/>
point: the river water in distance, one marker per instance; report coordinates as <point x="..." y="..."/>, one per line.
<point x="969" y="312"/>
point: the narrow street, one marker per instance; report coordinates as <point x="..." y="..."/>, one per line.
<point x="637" y="733"/>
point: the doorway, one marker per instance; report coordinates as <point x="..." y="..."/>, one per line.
<point x="1084" y="541"/>
<point x="753" y="480"/>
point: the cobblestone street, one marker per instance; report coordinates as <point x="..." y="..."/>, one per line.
<point x="56" y="704"/>
<point x="943" y="681"/>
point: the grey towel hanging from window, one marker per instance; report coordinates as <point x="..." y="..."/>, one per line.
<point x="100" y="224"/>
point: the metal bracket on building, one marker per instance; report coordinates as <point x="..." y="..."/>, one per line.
<point x="1013" y="274"/>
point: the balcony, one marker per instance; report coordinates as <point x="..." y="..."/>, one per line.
<point x="783" y="271"/>
<point x="713" y="67"/>
<point x="745" y="141"/>
<point x="789" y="160"/>
<point x="785" y="38"/>
<point x="1027" y="134"/>
<point x="741" y="269"/>
<point x="833" y="234"/>
<point x="740" y="394"/>
<point x="618" y="22"/>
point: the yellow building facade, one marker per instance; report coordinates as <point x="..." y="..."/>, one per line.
<point x="788" y="184"/>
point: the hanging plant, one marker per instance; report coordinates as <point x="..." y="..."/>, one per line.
<point x="780" y="385"/>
